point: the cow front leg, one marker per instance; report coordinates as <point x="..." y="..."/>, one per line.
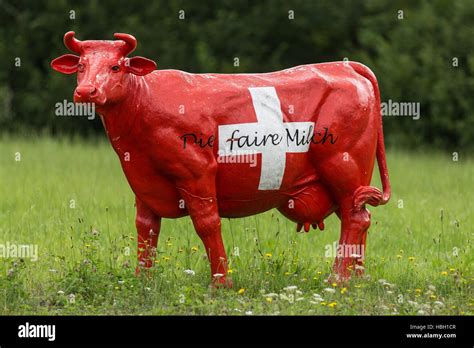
<point x="355" y="221"/>
<point x="148" y="227"/>
<point x="202" y="207"/>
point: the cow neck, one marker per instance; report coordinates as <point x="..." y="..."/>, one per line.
<point x="119" y="119"/>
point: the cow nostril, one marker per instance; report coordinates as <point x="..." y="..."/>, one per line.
<point x="86" y="92"/>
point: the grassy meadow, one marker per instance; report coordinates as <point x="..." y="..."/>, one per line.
<point x="71" y="199"/>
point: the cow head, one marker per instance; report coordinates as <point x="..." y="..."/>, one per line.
<point x="103" y="69"/>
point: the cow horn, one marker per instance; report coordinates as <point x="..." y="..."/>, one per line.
<point x="72" y="43"/>
<point x="130" y="42"/>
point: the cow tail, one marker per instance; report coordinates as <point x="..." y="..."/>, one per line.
<point x="381" y="157"/>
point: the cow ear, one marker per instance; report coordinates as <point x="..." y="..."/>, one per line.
<point x="66" y="64"/>
<point x="140" y="66"/>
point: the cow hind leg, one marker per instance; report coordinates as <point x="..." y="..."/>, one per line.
<point x="355" y="222"/>
<point x="351" y="192"/>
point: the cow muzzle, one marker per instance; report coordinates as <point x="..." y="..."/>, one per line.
<point x="88" y="94"/>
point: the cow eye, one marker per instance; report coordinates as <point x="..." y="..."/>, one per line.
<point x="115" y="68"/>
<point x="80" y="67"/>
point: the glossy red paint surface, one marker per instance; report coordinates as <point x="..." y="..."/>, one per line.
<point x="309" y="137"/>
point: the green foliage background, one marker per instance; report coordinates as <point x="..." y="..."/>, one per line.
<point x="412" y="57"/>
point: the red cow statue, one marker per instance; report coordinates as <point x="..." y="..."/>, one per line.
<point x="314" y="130"/>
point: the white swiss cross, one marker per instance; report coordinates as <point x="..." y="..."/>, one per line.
<point x="269" y="123"/>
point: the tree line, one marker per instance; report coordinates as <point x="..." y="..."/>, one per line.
<point x="421" y="52"/>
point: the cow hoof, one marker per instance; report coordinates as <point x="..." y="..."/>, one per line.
<point x="340" y="280"/>
<point x="144" y="269"/>
<point x="223" y="282"/>
<point x="345" y="268"/>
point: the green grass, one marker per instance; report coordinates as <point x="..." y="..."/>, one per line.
<point x="87" y="253"/>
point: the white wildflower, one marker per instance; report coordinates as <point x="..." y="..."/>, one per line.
<point x="425" y="307"/>
<point x="72" y="298"/>
<point x="316" y="299"/>
<point x="271" y="294"/>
